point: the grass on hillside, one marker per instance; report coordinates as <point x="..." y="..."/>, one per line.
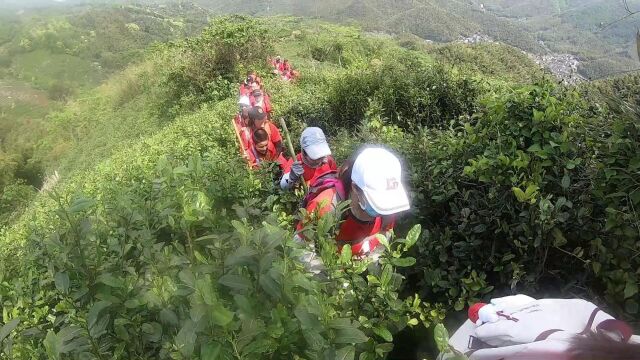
<point x="43" y="69"/>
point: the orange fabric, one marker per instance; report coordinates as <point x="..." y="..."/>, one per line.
<point x="265" y="105"/>
<point x="273" y="131"/>
<point x="284" y="67"/>
<point x="351" y="230"/>
<point x="245" y="90"/>
<point x="321" y="204"/>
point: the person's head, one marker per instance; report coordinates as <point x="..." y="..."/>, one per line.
<point x="251" y="77"/>
<point x="257" y="93"/>
<point x="261" y="141"/>
<point x="314" y="147"/>
<point x="244" y="115"/>
<point x="372" y="179"/>
<point x="254" y="86"/>
<point x="278" y="59"/>
<point x="257" y="117"/>
<point x="286" y="61"/>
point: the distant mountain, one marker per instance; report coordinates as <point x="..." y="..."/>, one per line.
<point x="557" y="26"/>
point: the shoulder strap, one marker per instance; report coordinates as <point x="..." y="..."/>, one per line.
<point x="321" y="185"/>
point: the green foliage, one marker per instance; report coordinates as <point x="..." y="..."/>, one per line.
<point x="441" y="337"/>
<point x="493" y="60"/>
<point x="155" y="271"/>
<point x="411" y="93"/>
<point x="14" y="198"/>
<point x="159" y="244"/>
<point x="60" y="91"/>
<point x="566" y="27"/>
<point x="211" y="64"/>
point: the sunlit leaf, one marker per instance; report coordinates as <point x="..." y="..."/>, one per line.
<point x="220" y="315"/>
<point x="80" y="205"/>
<point x="403" y="262"/>
<point x="345" y="255"/>
<point x="441" y="337"/>
<point x="413" y="236"/>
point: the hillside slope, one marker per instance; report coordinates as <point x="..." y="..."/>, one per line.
<point x="166" y="246"/>
<point x="564" y="27"/>
<point x="47" y="57"/>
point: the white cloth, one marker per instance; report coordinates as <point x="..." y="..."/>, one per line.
<point x="285" y="183"/>
<point x="528" y="330"/>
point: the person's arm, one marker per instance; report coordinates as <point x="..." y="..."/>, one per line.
<point x="291" y="178"/>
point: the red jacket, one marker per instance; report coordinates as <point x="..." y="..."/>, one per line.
<point x="359" y="234"/>
<point x="245" y="89"/>
<point x="265" y="104"/>
<point x="273" y="131"/>
<point x="284" y="67"/>
<point x="255" y="159"/>
<point x="310" y="174"/>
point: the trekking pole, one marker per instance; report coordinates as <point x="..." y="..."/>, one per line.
<point x="291" y="150"/>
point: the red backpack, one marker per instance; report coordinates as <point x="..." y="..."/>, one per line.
<point x="327" y="181"/>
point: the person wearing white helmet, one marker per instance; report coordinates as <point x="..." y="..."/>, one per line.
<point x="372" y="180"/>
<point x="314" y="162"/>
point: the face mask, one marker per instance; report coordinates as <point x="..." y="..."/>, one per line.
<point x="368" y="209"/>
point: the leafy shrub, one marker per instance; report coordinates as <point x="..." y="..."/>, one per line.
<point x="60" y="91"/>
<point x="518" y="188"/>
<point x="14" y="198"/>
<point x="617" y="195"/>
<point x="412" y="93"/>
<point x="211" y="64"/>
<point x="156" y="271"/>
<point x="494" y="60"/>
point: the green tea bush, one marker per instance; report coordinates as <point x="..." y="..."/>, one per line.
<point x="162" y="269"/>
<point x="208" y="67"/>
<point x="493" y="60"/>
<point x="521" y="187"/>
<point x="14" y="198"/>
<point x="614" y="253"/>
<point x="412" y="92"/>
<point x="166" y="247"/>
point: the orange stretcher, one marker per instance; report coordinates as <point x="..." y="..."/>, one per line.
<point x="244" y="152"/>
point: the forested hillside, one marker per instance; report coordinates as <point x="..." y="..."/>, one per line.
<point x="157" y="242"/>
<point x="572" y="27"/>
<point x="50" y="56"/>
